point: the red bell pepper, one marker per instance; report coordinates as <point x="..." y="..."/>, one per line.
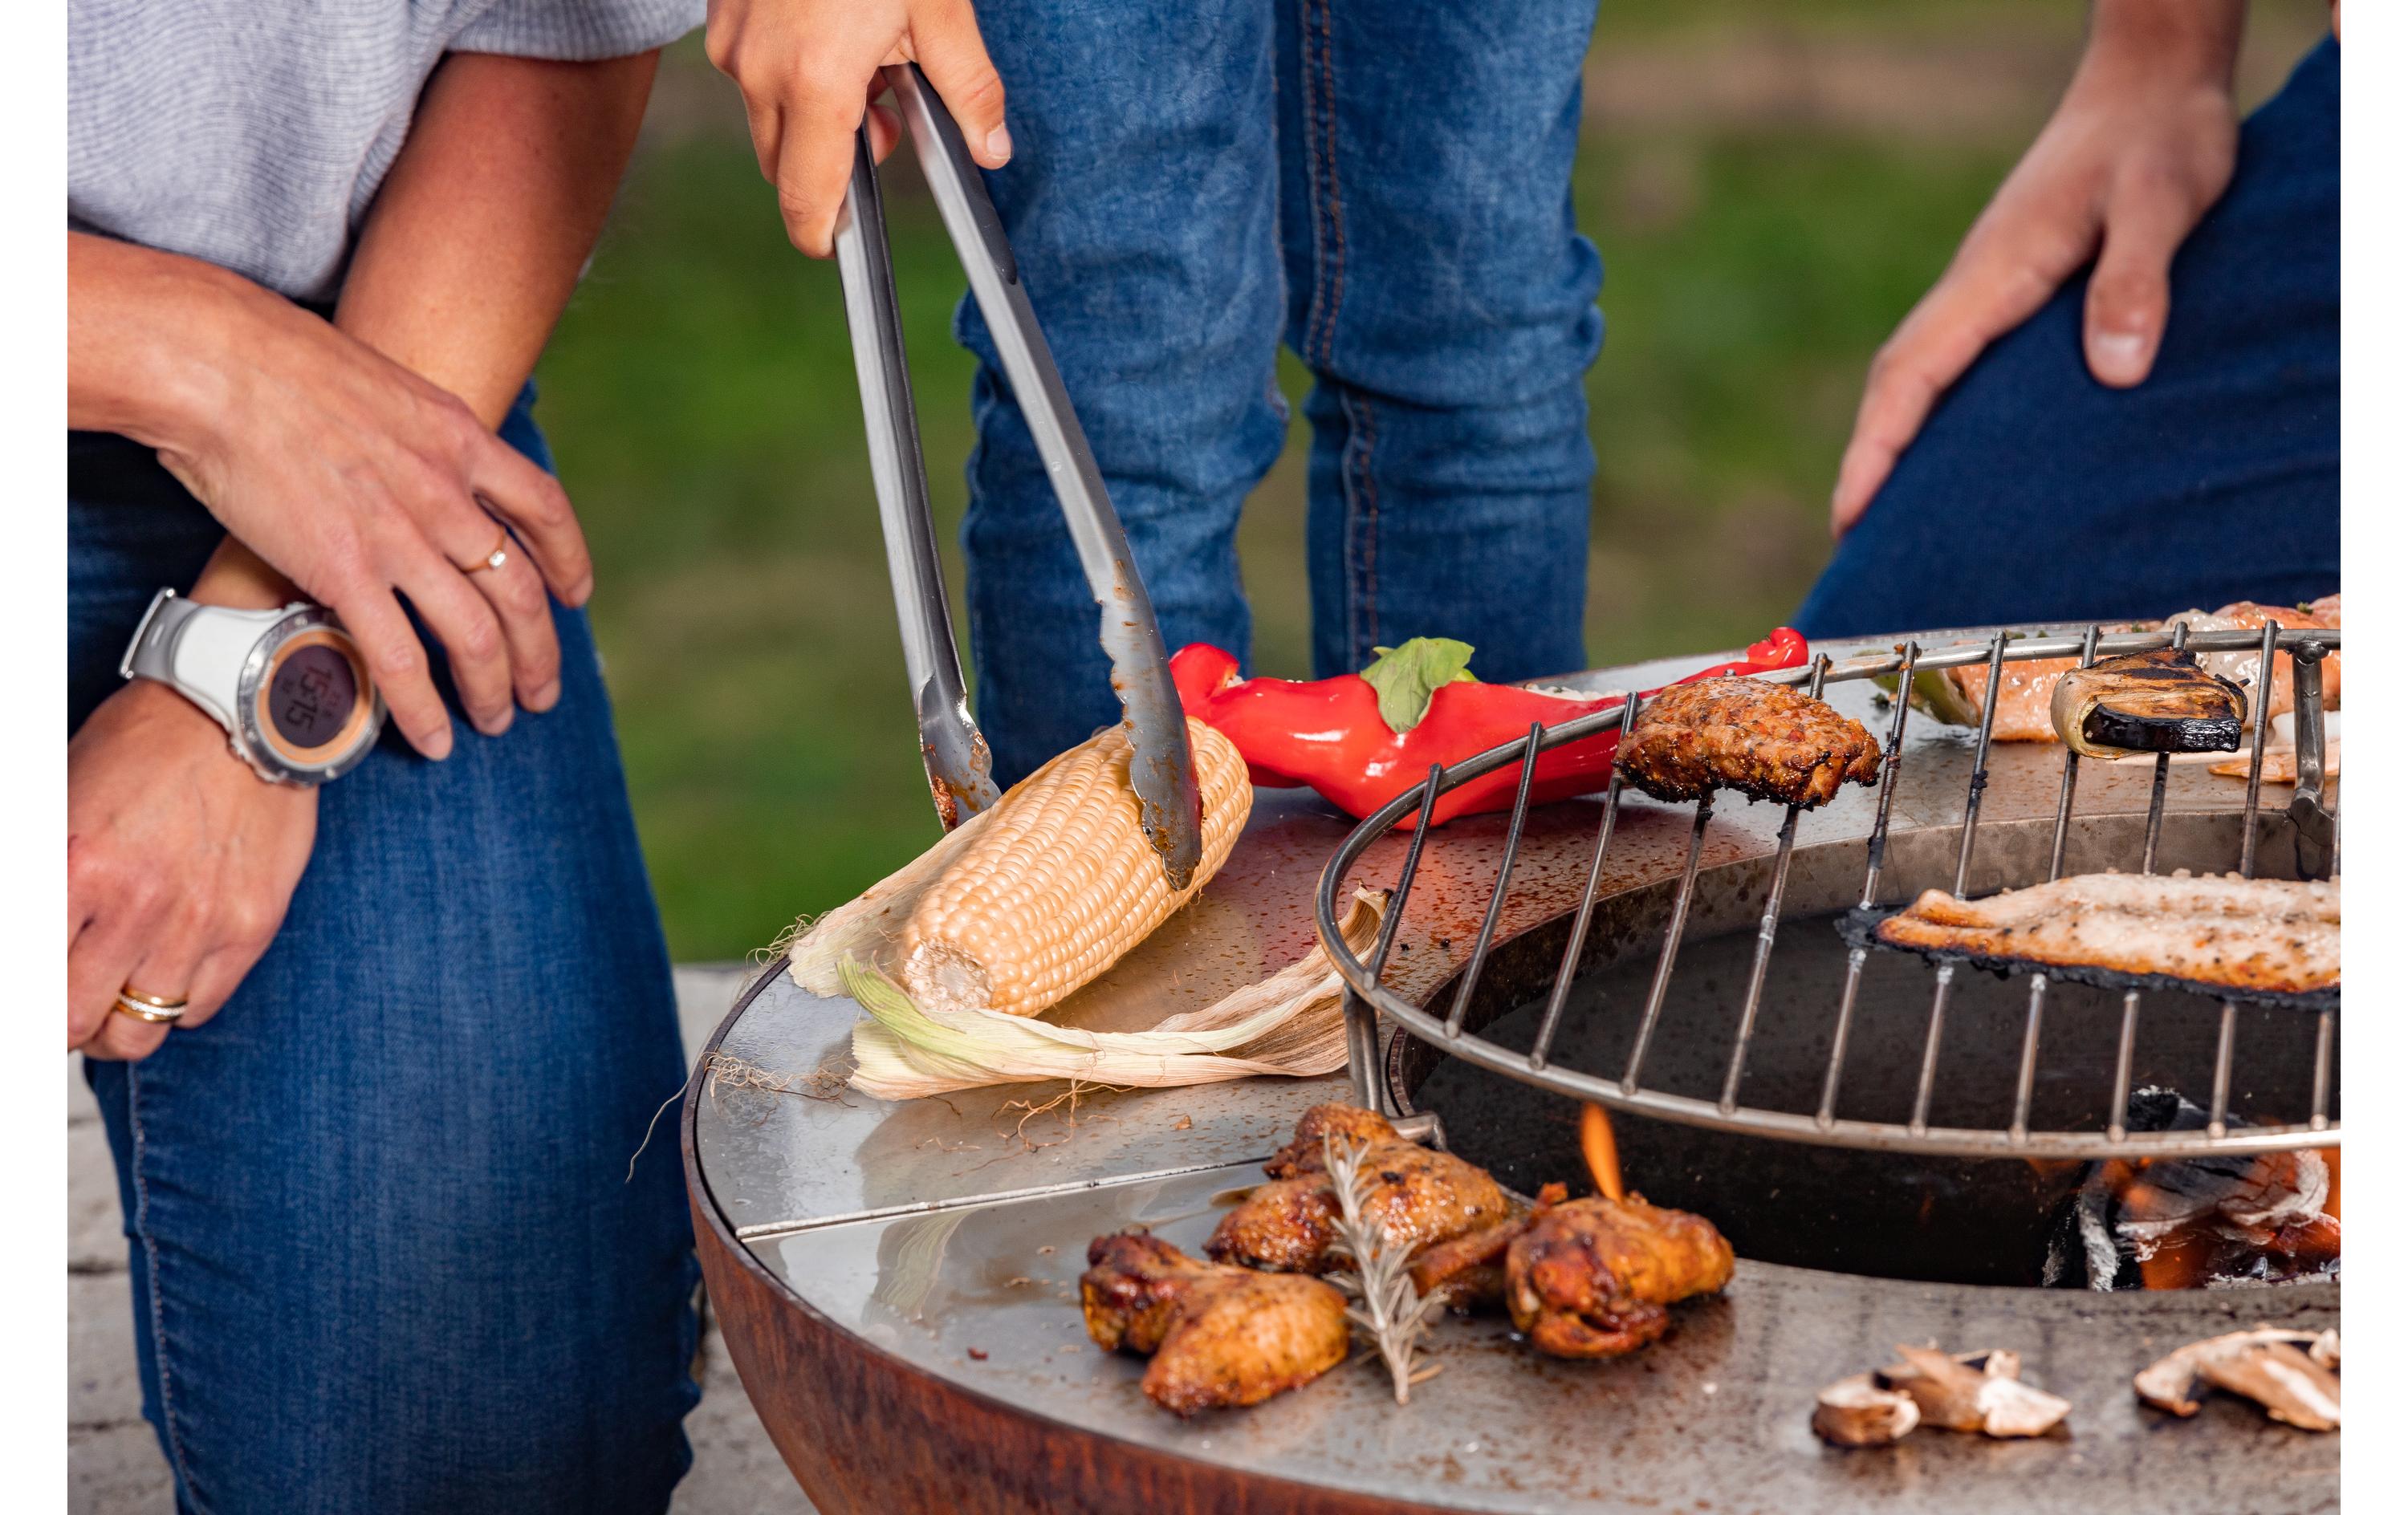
<point x="1362" y="739"/>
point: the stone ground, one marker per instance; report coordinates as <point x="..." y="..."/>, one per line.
<point x="114" y="1466"/>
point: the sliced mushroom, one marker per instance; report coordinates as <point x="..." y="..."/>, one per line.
<point x="2294" y="1374"/>
<point x="2011" y="1408"/>
<point x="2148" y="702"/>
<point x="1945" y="1388"/>
<point x="1974" y="1392"/>
<point x="2324" y="1352"/>
<point x="1857" y="1413"/>
<point x="2279" y="1375"/>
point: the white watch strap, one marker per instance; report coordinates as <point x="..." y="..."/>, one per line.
<point x="199" y="649"/>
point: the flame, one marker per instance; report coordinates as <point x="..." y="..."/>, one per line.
<point x="1597" y="1146"/>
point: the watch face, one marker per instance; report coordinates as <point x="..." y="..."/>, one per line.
<point x="311" y="710"/>
<point x="312" y="695"/>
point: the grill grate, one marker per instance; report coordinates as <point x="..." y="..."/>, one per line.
<point x="2311" y="821"/>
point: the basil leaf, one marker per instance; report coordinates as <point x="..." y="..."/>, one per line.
<point x="1405" y="677"/>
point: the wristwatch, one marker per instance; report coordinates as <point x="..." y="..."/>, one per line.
<point x="289" y="686"/>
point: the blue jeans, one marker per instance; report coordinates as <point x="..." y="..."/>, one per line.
<point x="386" y="1253"/>
<point x="1385" y="185"/>
<point x="2036" y="493"/>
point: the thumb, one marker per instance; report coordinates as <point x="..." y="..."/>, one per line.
<point x="945" y="43"/>
<point x="2124" y="318"/>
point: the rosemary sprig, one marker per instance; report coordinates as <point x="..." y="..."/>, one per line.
<point x="1387" y="1308"/>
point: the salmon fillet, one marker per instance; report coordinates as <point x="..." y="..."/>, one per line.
<point x="2261" y="935"/>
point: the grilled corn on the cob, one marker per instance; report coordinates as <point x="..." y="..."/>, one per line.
<point x="1035" y="897"/>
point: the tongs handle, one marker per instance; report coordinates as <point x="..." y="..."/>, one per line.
<point x="1162" y="770"/>
<point x="959" y="766"/>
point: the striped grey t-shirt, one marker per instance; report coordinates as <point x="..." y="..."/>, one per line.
<point x="253" y="132"/>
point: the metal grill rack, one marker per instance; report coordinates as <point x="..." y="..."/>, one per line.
<point x="1443" y="1027"/>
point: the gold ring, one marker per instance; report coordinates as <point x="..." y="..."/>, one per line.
<point x="150" y="1009"/>
<point x="499" y="555"/>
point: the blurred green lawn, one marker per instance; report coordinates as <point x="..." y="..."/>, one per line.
<point x="1771" y="186"/>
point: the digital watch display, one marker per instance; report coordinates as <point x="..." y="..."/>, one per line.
<point x="289" y="686"/>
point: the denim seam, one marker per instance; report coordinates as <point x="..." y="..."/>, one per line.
<point x="1361" y="491"/>
<point x="1329" y="220"/>
<point x="158" y="1294"/>
<point x="1357" y="487"/>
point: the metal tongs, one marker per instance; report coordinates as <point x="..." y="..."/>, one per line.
<point x="1161" y="768"/>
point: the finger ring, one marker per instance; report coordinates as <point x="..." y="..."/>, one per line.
<point x="499" y="555"/>
<point x="150" y="1009"/>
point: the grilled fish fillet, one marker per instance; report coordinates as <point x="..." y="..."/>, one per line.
<point x="2259" y="936"/>
<point x="1767" y="741"/>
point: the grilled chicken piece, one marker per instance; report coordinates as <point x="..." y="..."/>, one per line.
<point x="1218" y="1336"/>
<point x="1303" y="1153"/>
<point x="1591" y="1278"/>
<point x="1767" y="741"/>
<point x="1418" y="1198"/>
<point x="2265" y="935"/>
<point x="1468" y="1272"/>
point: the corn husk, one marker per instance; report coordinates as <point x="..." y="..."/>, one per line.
<point x="1289" y="1023"/>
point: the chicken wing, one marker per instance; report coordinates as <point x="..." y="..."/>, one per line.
<point x="1767" y="741"/>
<point x="1418" y="1197"/>
<point x="1591" y="1278"/>
<point x="1218" y="1336"/>
<point x="1468" y="1271"/>
<point x="1303" y="1153"/>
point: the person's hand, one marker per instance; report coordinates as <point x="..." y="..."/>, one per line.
<point x="809" y="69"/>
<point x="2140" y="149"/>
<point x="360" y="481"/>
<point x="180" y="862"/>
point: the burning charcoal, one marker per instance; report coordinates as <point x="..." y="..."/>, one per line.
<point x="2173" y="1222"/>
<point x="1977" y="1392"/>
<point x="2293" y="1374"/>
<point x="1857" y="1413"/>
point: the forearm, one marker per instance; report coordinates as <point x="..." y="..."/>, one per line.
<point x="141" y="327"/>
<point x="2198" y="41"/>
<point x="479" y="234"/>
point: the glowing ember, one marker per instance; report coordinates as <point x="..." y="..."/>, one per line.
<point x="2193" y="1222"/>
<point x="1597" y="1146"/>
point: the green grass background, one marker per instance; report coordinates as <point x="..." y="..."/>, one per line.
<point x="1772" y="185"/>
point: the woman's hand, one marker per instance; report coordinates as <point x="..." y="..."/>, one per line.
<point x="809" y="69"/>
<point x="2141" y="147"/>
<point x="357" y="478"/>
<point x="180" y="862"/>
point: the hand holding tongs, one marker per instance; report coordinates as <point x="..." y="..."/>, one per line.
<point x="1162" y="770"/>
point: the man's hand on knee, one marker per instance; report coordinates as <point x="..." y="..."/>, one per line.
<point x="2140" y="149"/>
